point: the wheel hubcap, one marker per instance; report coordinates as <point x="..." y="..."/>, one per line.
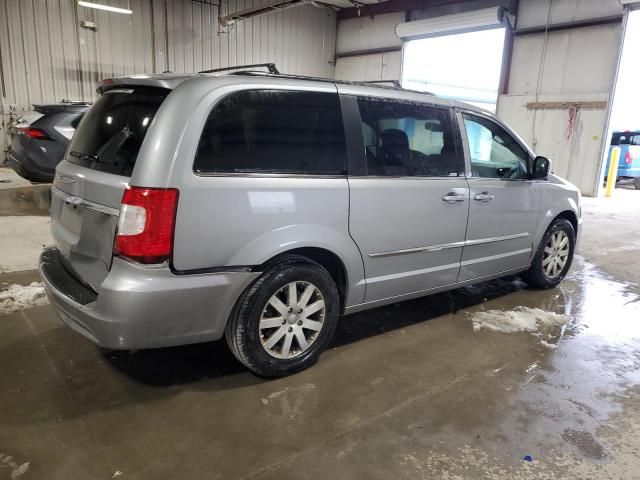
<point x="291" y="320"/>
<point x="556" y="254"/>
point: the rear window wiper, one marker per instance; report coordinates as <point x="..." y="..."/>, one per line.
<point x="84" y="156"/>
<point x="107" y="152"/>
<point x="90" y="157"/>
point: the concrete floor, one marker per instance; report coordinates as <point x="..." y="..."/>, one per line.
<point x="22" y="241"/>
<point x="10" y="179"/>
<point x="407" y="392"/>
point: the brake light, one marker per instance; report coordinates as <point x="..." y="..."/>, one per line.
<point x="628" y="159"/>
<point x="145" y="226"/>
<point x="35" y="133"/>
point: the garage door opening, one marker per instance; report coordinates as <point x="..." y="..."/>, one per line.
<point x="463" y="66"/>
<point x="625" y="114"/>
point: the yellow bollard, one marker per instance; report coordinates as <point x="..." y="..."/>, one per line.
<point x="613" y="171"/>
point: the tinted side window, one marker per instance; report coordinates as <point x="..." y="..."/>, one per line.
<point x="408" y="139"/>
<point x="623" y="139"/>
<point x="494" y="153"/>
<point x="274" y="131"/>
<point x="615" y="139"/>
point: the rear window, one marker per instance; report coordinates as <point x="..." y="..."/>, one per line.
<point x="273" y="131"/>
<point x="110" y="134"/>
<point x="626" y="138"/>
<point x="28" y="118"/>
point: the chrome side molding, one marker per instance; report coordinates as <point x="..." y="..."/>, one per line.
<point x="435" y="248"/>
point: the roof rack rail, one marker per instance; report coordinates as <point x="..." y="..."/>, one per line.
<point x="74" y="102"/>
<point x="388" y="84"/>
<point x="395" y="83"/>
<point x="271" y="67"/>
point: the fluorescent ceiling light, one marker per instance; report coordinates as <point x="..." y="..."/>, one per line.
<point x="108" y="8"/>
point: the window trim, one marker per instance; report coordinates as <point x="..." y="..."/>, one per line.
<point x="356" y="162"/>
<point x="360" y="165"/>
<point x="467" y="152"/>
<point x="268" y="174"/>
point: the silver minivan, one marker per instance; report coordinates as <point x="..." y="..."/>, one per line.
<point x="262" y="207"/>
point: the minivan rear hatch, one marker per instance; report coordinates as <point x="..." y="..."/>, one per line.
<point x="89" y="184"/>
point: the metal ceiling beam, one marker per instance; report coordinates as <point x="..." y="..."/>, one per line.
<point x="557" y="27"/>
<point x="456" y="6"/>
<point x="233" y="17"/>
<point x="368" y="51"/>
<point x="390" y="6"/>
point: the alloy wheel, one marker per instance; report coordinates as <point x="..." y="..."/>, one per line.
<point x="556" y="254"/>
<point x="291" y="320"/>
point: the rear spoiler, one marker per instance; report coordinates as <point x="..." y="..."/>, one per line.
<point x="166" y="81"/>
<point x="61" y="107"/>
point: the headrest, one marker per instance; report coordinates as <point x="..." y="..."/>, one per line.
<point x="394" y="138"/>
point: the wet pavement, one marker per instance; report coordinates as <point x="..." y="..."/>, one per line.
<point x="408" y="391"/>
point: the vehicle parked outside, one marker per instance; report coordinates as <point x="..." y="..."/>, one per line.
<point x="629" y="161"/>
<point x="39" y="138"/>
<point x="261" y="207"/>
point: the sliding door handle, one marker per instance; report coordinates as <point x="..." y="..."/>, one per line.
<point x="453" y="197"/>
<point x="483" y="197"/>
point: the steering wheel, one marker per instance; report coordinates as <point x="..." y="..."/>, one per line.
<point x="514" y="172"/>
<point x="511" y="173"/>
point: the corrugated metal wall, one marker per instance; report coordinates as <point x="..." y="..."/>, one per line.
<point x="362" y="34"/>
<point x="47" y="56"/>
<point x="574" y="65"/>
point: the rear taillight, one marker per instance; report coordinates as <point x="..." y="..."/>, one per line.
<point x="628" y="159"/>
<point x="145" y="226"/>
<point x="35" y="133"/>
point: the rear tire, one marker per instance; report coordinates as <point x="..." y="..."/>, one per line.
<point x="553" y="257"/>
<point x="283" y="321"/>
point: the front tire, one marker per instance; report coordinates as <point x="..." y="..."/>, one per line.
<point x="553" y="257"/>
<point x="285" y="319"/>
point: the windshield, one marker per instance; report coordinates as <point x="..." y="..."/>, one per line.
<point x="111" y="133"/>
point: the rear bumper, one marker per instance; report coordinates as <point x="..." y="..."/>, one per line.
<point x="629" y="172"/>
<point x="26" y="168"/>
<point x="140" y="307"/>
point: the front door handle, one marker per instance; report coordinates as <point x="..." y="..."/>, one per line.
<point x="453" y="197"/>
<point x="483" y="197"/>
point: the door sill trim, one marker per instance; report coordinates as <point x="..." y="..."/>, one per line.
<point x="423" y="293"/>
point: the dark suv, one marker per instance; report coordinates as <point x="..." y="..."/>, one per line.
<point x="39" y="138"/>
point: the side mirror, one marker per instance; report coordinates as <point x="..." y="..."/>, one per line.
<point x="541" y="167"/>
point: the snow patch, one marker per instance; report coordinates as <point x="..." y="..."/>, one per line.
<point x="520" y="319"/>
<point x="19" y="297"/>
<point x="548" y="345"/>
<point x="16" y="470"/>
<point x="20" y="470"/>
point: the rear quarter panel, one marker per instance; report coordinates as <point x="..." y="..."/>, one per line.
<point x="626" y="167"/>
<point x="629" y="163"/>
<point x="241" y="220"/>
